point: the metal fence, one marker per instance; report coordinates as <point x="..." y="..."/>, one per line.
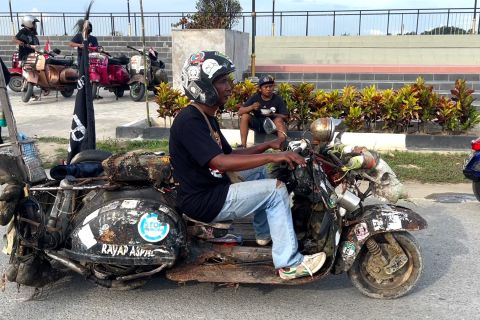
<point x="281" y="23"/>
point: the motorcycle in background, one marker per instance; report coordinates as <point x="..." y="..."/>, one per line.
<point x="49" y="71"/>
<point x="471" y="169"/>
<point x="15" y="74"/>
<point x="108" y="72"/>
<point x="155" y="75"/>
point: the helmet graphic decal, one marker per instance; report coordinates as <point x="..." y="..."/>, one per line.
<point x="210" y="66"/>
<point x="197" y="57"/>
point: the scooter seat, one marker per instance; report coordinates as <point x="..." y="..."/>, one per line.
<point x="90" y="156"/>
<point x="60" y="62"/>
<point x="121" y="61"/>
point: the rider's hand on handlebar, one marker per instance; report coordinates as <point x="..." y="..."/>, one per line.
<point x="293" y="159"/>
<point x="256" y="106"/>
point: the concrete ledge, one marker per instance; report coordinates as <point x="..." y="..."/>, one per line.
<point x="375" y="141"/>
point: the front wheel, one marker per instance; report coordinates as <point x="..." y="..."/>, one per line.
<point x="94" y="89"/>
<point x="137" y="91"/>
<point x="16" y="83"/>
<point x="27" y="92"/>
<point x="67" y="92"/>
<point x="476" y="189"/>
<point x="391" y="286"/>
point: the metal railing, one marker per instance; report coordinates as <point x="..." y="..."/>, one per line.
<point x="286" y="23"/>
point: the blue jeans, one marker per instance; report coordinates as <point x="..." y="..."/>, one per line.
<point x="270" y="206"/>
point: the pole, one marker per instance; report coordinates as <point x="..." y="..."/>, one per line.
<point x="273" y="18"/>
<point x="11" y="17"/>
<point x="474" y="20"/>
<point x="145" y="71"/>
<point x="129" y="23"/>
<point x="254" y="26"/>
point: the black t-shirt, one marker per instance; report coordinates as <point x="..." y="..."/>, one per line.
<point x="202" y="190"/>
<point x="29" y="37"/>
<point x="276" y="102"/>
<point x="92" y="42"/>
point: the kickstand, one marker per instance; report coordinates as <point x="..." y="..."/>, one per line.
<point x="56" y="94"/>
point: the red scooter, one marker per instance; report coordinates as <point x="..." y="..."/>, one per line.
<point x="15" y="73"/>
<point x="108" y="72"/>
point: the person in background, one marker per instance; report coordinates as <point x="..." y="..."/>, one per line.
<point x="26" y="38"/>
<point x="6" y="75"/>
<point x="265" y="103"/>
<point x="201" y="158"/>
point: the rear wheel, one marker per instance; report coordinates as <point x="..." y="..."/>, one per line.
<point x="67" y="92"/>
<point x="27" y="92"/>
<point x="476" y="189"/>
<point x="94" y="89"/>
<point x="398" y="283"/>
<point x="16" y="83"/>
<point x="137" y="91"/>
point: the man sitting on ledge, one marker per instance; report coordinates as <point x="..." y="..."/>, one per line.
<point x="265" y="103"/>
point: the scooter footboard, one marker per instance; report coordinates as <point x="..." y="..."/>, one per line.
<point x="376" y="219"/>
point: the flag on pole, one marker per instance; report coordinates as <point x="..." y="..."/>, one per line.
<point x="47" y="47"/>
<point x="82" y="134"/>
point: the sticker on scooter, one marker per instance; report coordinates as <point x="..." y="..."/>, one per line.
<point x="348" y="249"/>
<point x="152" y="230"/>
<point x="361" y="231"/>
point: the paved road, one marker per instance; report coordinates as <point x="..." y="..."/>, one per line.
<point x="53" y="117"/>
<point x="448" y="289"/>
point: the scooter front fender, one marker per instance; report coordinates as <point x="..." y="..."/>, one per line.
<point x="136" y="78"/>
<point x="376" y="219"/>
<point x="31" y="76"/>
<point x="471" y="169"/>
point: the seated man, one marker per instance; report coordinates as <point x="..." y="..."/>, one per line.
<point x="201" y="156"/>
<point x="263" y="104"/>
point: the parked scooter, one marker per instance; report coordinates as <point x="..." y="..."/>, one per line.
<point x="156" y="73"/>
<point x="471" y="169"/>
<point x="108" y="72"/>
<point x="49" y="71"/>
<point x="121" y="228"/>
<point x="15" y="74"/>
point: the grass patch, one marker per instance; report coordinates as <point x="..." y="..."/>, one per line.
<point x="53" y="140"/>
<point x="120" y="146"/>
<point x="427" y="167"/>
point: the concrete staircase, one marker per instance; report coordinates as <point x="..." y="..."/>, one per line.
<point x="113" y="45"/>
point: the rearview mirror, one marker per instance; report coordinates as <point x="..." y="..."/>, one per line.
<point x="269" y="126"/>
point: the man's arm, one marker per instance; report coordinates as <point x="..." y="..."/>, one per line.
<point x="248" y="107"/>
<point x="239" y="162"/>
<point x="76" y="42"/>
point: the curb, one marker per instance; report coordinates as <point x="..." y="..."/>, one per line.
<point x="375" y="141"/>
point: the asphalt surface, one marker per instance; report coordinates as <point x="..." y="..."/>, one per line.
<point x="448" y="289"/>
<point x="52" y="116"/>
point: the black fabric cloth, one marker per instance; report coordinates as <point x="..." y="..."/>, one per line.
<point x="82" y="134"/>
<point x="202" y="189"/>
<point x="27" y="36"/>
<point x="5" y="71"/>
<point x="91" y="40"/>
<point x="276" y="102"/>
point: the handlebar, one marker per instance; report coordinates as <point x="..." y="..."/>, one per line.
<point x="135" y="49"/>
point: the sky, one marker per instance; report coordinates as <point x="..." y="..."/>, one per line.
<point x="261" y="5"/>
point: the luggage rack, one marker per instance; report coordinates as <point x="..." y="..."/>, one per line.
<point x="23" y="152"/>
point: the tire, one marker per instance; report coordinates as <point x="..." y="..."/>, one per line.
<point x="94" y="89"/>
<point x="27" y="92"/>
<point x="119" y="92"/>
<point x="137" y="91"/>
<point x="16" y="83"/>
<point x="67" y="92"/>
<point x="403" y="280"/>
<point x="476" y="189"/>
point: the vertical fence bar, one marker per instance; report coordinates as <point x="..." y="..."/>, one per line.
<point x="418" y="17"/>
<point x="243" y="23"/>
<point x="41" y="23"/>
<point x="401" y="26"/>
<point x="333" y="23"/>
<point x="64" y="25"/>
<point x="112" y="24"/>
<point x="388" y="21"/>
<point x="448" y="17"/>
<point x="183" y="25"/>
<point x="360" y="22"/>
<point x="18" y="22"/>
<point x="159" y="25"/>
<point x="306" y="27"/>
<point x="281" y="22"/>
<point x="135" y="22"/>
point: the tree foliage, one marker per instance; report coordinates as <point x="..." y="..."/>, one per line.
<point x="213" y="14"/>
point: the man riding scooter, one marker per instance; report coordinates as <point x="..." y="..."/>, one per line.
<point x="26" y="38"/>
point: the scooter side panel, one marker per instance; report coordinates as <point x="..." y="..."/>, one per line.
<point x="471" y="170"/>
<point x="130" y="231"/>
<point x="376" y="219"/>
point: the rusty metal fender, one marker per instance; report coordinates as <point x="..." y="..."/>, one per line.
<point x="136" y="78"/>
<point x="376" y="219"/>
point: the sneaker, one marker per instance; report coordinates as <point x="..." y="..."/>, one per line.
<point x="310" y="265"/>
<point x="263" y="240"/>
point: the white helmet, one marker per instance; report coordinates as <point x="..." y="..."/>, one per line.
<point x="29" y="21"/>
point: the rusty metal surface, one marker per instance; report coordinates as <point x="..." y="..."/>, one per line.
<point x="376" y="219"/>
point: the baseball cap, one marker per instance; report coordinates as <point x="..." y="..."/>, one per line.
<point x="265" y="80"/>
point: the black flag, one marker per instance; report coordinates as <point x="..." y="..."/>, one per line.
<point x="82" y="134"/>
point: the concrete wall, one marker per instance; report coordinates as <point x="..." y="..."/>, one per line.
<point x="409" y="50"/>
<point x="185" y="42"/>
